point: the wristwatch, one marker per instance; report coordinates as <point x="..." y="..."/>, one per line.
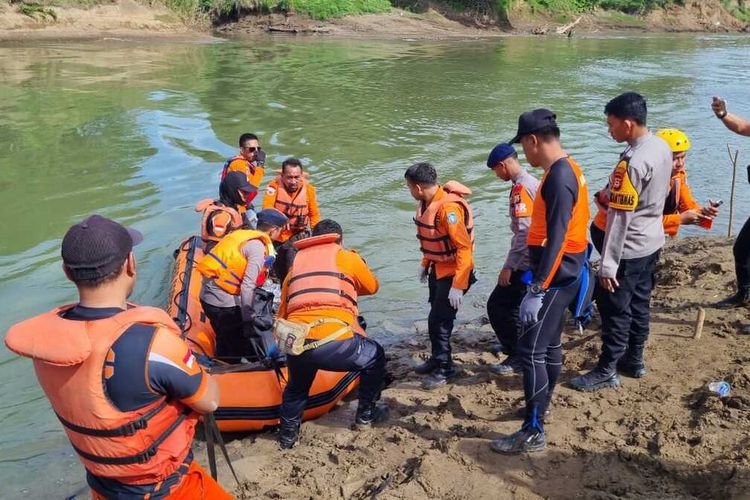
<point x="723" y="115"/>
<point x="536" y="288"/>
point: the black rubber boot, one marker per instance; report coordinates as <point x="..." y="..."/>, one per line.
<point x="739" y="299"/>
<point x="288" y="435"/>
<point x="370" y="413"/>
<point x="427" y="367"/>
<point x="632" y="365"/>
<point x="596" y="379"/>
<point x="439" y="378"/>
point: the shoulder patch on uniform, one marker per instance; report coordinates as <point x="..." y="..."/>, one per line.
<point x="452" y="218"/>
<point x="622" y="194"/>
<point x="521" y="202"/>
<point x="270" y="190"/>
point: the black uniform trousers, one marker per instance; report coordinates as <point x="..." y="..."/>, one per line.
<point x="441" y="317"/>
<point x="357" y="354"/>
<point x="502" y="311"/>
<point x="227" y="324"/>
<point x="625" y="313"/>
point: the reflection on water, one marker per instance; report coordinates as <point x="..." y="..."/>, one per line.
<point x="138" y="132"/>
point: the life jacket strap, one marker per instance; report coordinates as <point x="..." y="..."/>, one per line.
<point x="128" y="429"/>
<point x="341" y="276"/>
<point x="334" y="291"/>
<point x="139" y="458"/>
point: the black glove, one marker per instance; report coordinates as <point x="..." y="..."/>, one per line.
<point x="260" y="157"/>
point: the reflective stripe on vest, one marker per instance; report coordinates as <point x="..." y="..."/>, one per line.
<point x="315" y="281"/>
<point x="435" y="244"/>
<point x="135" y="447"/>
<point x="576" y="236"/>
<point x="296" y="208"/>
<point x="226" y="263"/>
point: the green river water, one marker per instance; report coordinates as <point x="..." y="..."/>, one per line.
<point x="138" y="131"/>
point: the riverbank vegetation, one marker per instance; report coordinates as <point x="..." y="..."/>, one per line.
<point x="484" y="13"/>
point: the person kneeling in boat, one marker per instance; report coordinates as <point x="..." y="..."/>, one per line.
<point x="320" y="297"/>
<point x="229" y="212"/>
<point x="238" y="266"/>
<point x="125" y="386"/>
<point x="291" y="194"/>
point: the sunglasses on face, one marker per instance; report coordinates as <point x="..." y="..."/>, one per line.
<point x="251" y="149"/>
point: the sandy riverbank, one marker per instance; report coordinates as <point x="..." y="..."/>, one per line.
<point x="129" y="19"/>
<point x="662" y="436"/>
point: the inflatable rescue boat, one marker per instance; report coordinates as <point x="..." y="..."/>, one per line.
<point x="250" y="393"/>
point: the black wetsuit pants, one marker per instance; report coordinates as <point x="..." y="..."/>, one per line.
<point x="741" y="251"/>
<point x="539" y="348"/>
<point x="357" y="354"/>
<point x="441" y="317"/>
<point x="502" y="311"/>
<point x="625" y="313"/>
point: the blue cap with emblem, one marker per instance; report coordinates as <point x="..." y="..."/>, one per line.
<point x="500" y="153"/>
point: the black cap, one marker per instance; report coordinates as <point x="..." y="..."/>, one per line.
<point x="96" y="247"/>
<point x="533" y="121"/>
<point x="271" y="217"/>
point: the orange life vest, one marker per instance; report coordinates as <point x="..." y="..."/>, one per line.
<point x="295" y="207"/>
<point x="249" y="167"/>
<point x="70" y="357"/>
<point x="576" y="237"/>
<point x="434" y="243"/>
<point x="226" y="263"/>
<point x="315" y="281"/>
<point x="209" y="208"/>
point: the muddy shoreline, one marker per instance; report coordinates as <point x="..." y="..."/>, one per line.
<point x="663" y="436"/>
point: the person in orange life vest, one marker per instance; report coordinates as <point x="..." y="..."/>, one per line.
<point x="125" y="386"/>
<point x="227" y="213"/>
<point x="445" y="230"/>
<point x="293" y="196"/>
<point x="233" y="295"/>
<point x="324" y="283"/>
<point x="680" y="207"/>
<point x="557" y="250"/>
<point x="505" y="300"/>
<point x="250" y="161"/>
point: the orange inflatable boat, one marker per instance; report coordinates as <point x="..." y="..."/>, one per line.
<point x="250" y="394"/>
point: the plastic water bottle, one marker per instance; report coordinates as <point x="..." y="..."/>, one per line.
<point x="721" y="389"/>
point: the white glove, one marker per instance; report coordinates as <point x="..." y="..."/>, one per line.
<point x="455" y="297"/>
<point x="422" y="274"/>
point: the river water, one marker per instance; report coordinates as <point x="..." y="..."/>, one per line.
<point x="138" y="131"/>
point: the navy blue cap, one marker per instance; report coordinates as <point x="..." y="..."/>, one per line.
<point x="533" y="121"/>
<point x="271" y="217"/>
<point x="500" y="153"/>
